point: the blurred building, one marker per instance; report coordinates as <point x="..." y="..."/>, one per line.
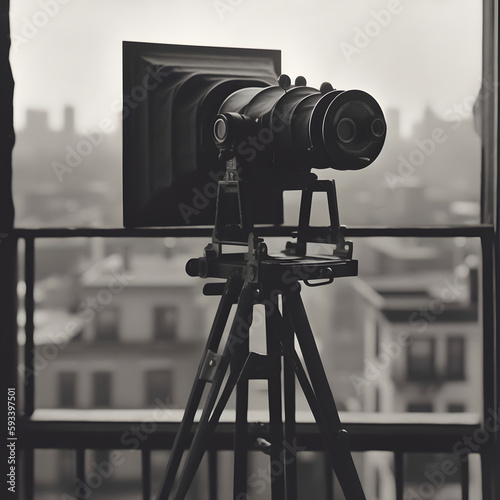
<point x="64" y="177"/>
<point x="132" y="343"/>
<point x="422" y="346"/>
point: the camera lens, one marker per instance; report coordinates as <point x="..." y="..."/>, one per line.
<point x="353" y="130"/>
<point x="378" y="128"/>
<point x="346" y="130"/>
<point x="220" y="130"/>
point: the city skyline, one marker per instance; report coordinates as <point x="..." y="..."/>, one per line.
<point x="428" y="178"/>
<point x="371" y="45"/>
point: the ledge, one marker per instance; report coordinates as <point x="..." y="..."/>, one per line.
<point x="156" y="429"/>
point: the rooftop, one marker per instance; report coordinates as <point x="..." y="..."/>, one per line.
<point x="139" y="270"/>
<point x="398" y="297"/>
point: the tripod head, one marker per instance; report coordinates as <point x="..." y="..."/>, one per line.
<point x="291" y="129"/>
<point x="234" y="226"/>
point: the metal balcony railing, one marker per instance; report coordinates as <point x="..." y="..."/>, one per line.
<point x="80" y="430"/>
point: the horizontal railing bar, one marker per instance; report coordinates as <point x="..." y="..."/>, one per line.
<point x="409" y="435"/>
<point x="93" y="232"/>
<point x="438" y="439"/>
<point x="29" y="328"/>
<point x="479" y="230"/>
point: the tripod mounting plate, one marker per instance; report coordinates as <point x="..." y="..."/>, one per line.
<point x="280" y="267"/>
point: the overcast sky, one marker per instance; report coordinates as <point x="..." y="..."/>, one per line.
<point x="406" y="53"/>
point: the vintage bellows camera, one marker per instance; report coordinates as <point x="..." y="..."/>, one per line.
<point x="184" y="106"/>
<point x="213" y="136"/>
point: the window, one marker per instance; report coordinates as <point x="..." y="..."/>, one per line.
<point x="166" y="322"/>
<point x="107" y="324"/>
<point x="158" y="386"/>
<point x="67" y="389"/>
<point x="369" y="60"/>
<point x="420" y="407"/>
<point x="455" y="358"/>
<point x="421" y="357"/>
<point x="377" y="63"/>
<point x="102" y="389"/>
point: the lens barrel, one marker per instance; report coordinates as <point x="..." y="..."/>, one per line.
<point x="299" y="127"/>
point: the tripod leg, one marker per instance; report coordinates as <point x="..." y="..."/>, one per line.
<point x="231" y="291"/>
<point x="240" y="434"/>
<point x="205" y="428"/>
<point x="338" y="448"/>
<point x="289" y="390"/>
<point x="236" y="356"/>
<point x="275" y="415"/>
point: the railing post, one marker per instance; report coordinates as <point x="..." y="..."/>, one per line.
<point x="80" y="473"/>
<point x="399" y="473"/>
<point x="8" y="340"/>
<point x="464" y="478"/>
<point x="146" y="473"/>
<point x="489" y="383"/>
<point x="8" y="244"/>
<point x="490" y="214"/>
<point x="29" y="346"/>
<point x="213" y="473"/>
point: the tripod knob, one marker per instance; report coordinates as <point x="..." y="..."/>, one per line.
<point x="197" y="267"/>
<point x="192" y="267"/>
<point x="343" y="436"/>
